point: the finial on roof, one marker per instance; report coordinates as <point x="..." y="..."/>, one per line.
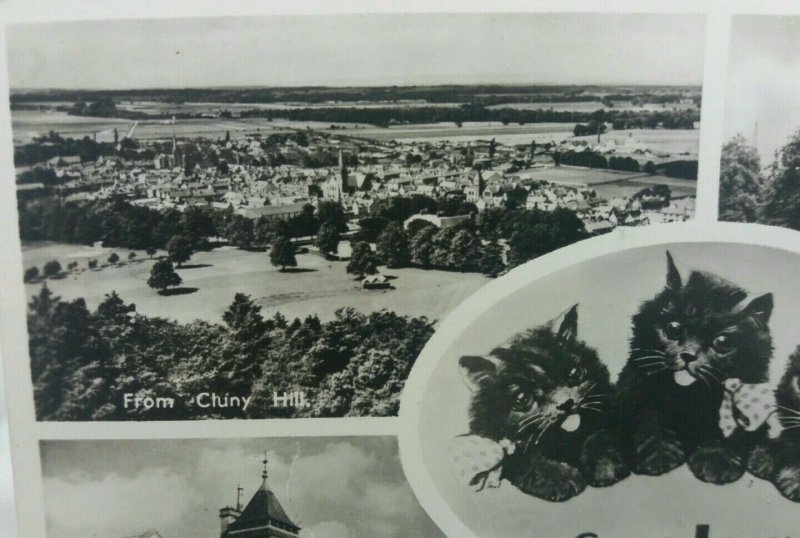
<point x="265" y="461"/>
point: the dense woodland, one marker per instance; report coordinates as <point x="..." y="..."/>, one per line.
<point x="750" y="193"/>
<point x="83" y="362"/>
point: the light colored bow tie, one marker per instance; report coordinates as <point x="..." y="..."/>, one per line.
<point x="478" y="461"/>
<point x="748" y="406"/>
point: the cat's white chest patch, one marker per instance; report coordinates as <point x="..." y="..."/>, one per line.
<point x="684" y="378"/>
<point x="571" y="423"/>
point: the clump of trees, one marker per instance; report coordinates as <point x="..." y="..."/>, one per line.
<point x="750" y="193"/>
<point x="282" y="253"/>
<point x="83" y="362"/>
<point x="362" y="260"/>
<point x="163" y="276"/>
<point x="682" y="169"/>
<point x="327" y="240"/>
<point x="592" y="128"/>
<point x="31" y="274"/>
<point x="393" y="247"/>
<point x="52" y="268"/>
<point x="179" y="249"/>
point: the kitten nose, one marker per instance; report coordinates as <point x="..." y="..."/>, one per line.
<point x="566" y="406"/>
<point x="688" y="356"/>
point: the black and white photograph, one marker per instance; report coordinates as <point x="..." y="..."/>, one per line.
<point x="307" y="487"/>
<point x="666" y="398"/>
<point x="761" y="151"/>
<point x="268" y="216"/>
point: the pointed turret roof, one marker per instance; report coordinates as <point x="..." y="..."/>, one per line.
<point x="263" y="508"/>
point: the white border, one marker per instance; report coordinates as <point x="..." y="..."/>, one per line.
<point x="487" y="297"/>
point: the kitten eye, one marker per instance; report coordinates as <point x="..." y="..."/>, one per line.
<point x="524" y="402"/>
<point x="673" y="331"/>
<point x="722" y="344"/>
<point x="575" y="376"/>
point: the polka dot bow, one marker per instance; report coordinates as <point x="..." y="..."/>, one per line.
<point x="748" y="406"/>
<point x="478" y="461"/>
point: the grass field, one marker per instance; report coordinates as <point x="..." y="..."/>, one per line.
<point x="609" y="183"/>
<point x="319" y="288"/>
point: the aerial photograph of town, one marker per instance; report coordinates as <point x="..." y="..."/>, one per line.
<point x="279" y="236"/>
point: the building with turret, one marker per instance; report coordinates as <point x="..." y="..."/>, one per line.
<point x="263" y="517"/>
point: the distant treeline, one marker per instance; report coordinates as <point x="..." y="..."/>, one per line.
<point x="84" y="362"/>
<point x="487" y="94"/>
<point x="681" y="169"/>
<point x="530" y="233"/>
<point x="116" y="223"/>
<point x="385" y="116"/>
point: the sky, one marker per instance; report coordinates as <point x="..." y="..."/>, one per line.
<point x="340" y="50"/>
<point x="764" y="81"/>
<point x="347" y="487"/>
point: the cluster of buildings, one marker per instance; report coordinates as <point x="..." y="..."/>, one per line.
<point x="257" y="179"/>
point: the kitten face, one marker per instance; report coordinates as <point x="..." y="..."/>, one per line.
<point x="541" y="383"/>
<point x="788" y="398"/>
<point x="703" y="331"/>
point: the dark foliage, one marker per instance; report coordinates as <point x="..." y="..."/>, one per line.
<point x="83" y="362"/>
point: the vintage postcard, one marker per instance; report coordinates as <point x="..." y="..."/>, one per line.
<point x="360" y="269"/>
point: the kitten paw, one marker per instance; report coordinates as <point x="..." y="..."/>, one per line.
<point x="716" y="465"/>
<point x="788" y="482"/>
<point x="601" y="463"/>
<point x="762" y="463"/>
<point x="658" y="456"/>
<point x="552" y="481"/>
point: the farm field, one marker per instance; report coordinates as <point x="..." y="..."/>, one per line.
<point x="471" y="131"/>
<point x="319" y="287"/>
<point x="27" y="124"/>
<point x="609" y="183"/>
<point x="591" y="106"/>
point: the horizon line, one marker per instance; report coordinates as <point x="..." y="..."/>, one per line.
<point x="353" y="86"/>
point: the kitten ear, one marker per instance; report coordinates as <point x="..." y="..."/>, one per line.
<point x="568" y="326"/>
<point x="475" y="370"/>
<point x="760" y="308"/>
<point x="673" y="276"/>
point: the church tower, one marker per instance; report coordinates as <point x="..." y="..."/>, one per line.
<point x="263" y="517"/>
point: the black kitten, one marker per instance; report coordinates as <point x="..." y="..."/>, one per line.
<point x="687" y="341"/>
<point x="779" y="460"/>
<point x="544" y="391"/>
